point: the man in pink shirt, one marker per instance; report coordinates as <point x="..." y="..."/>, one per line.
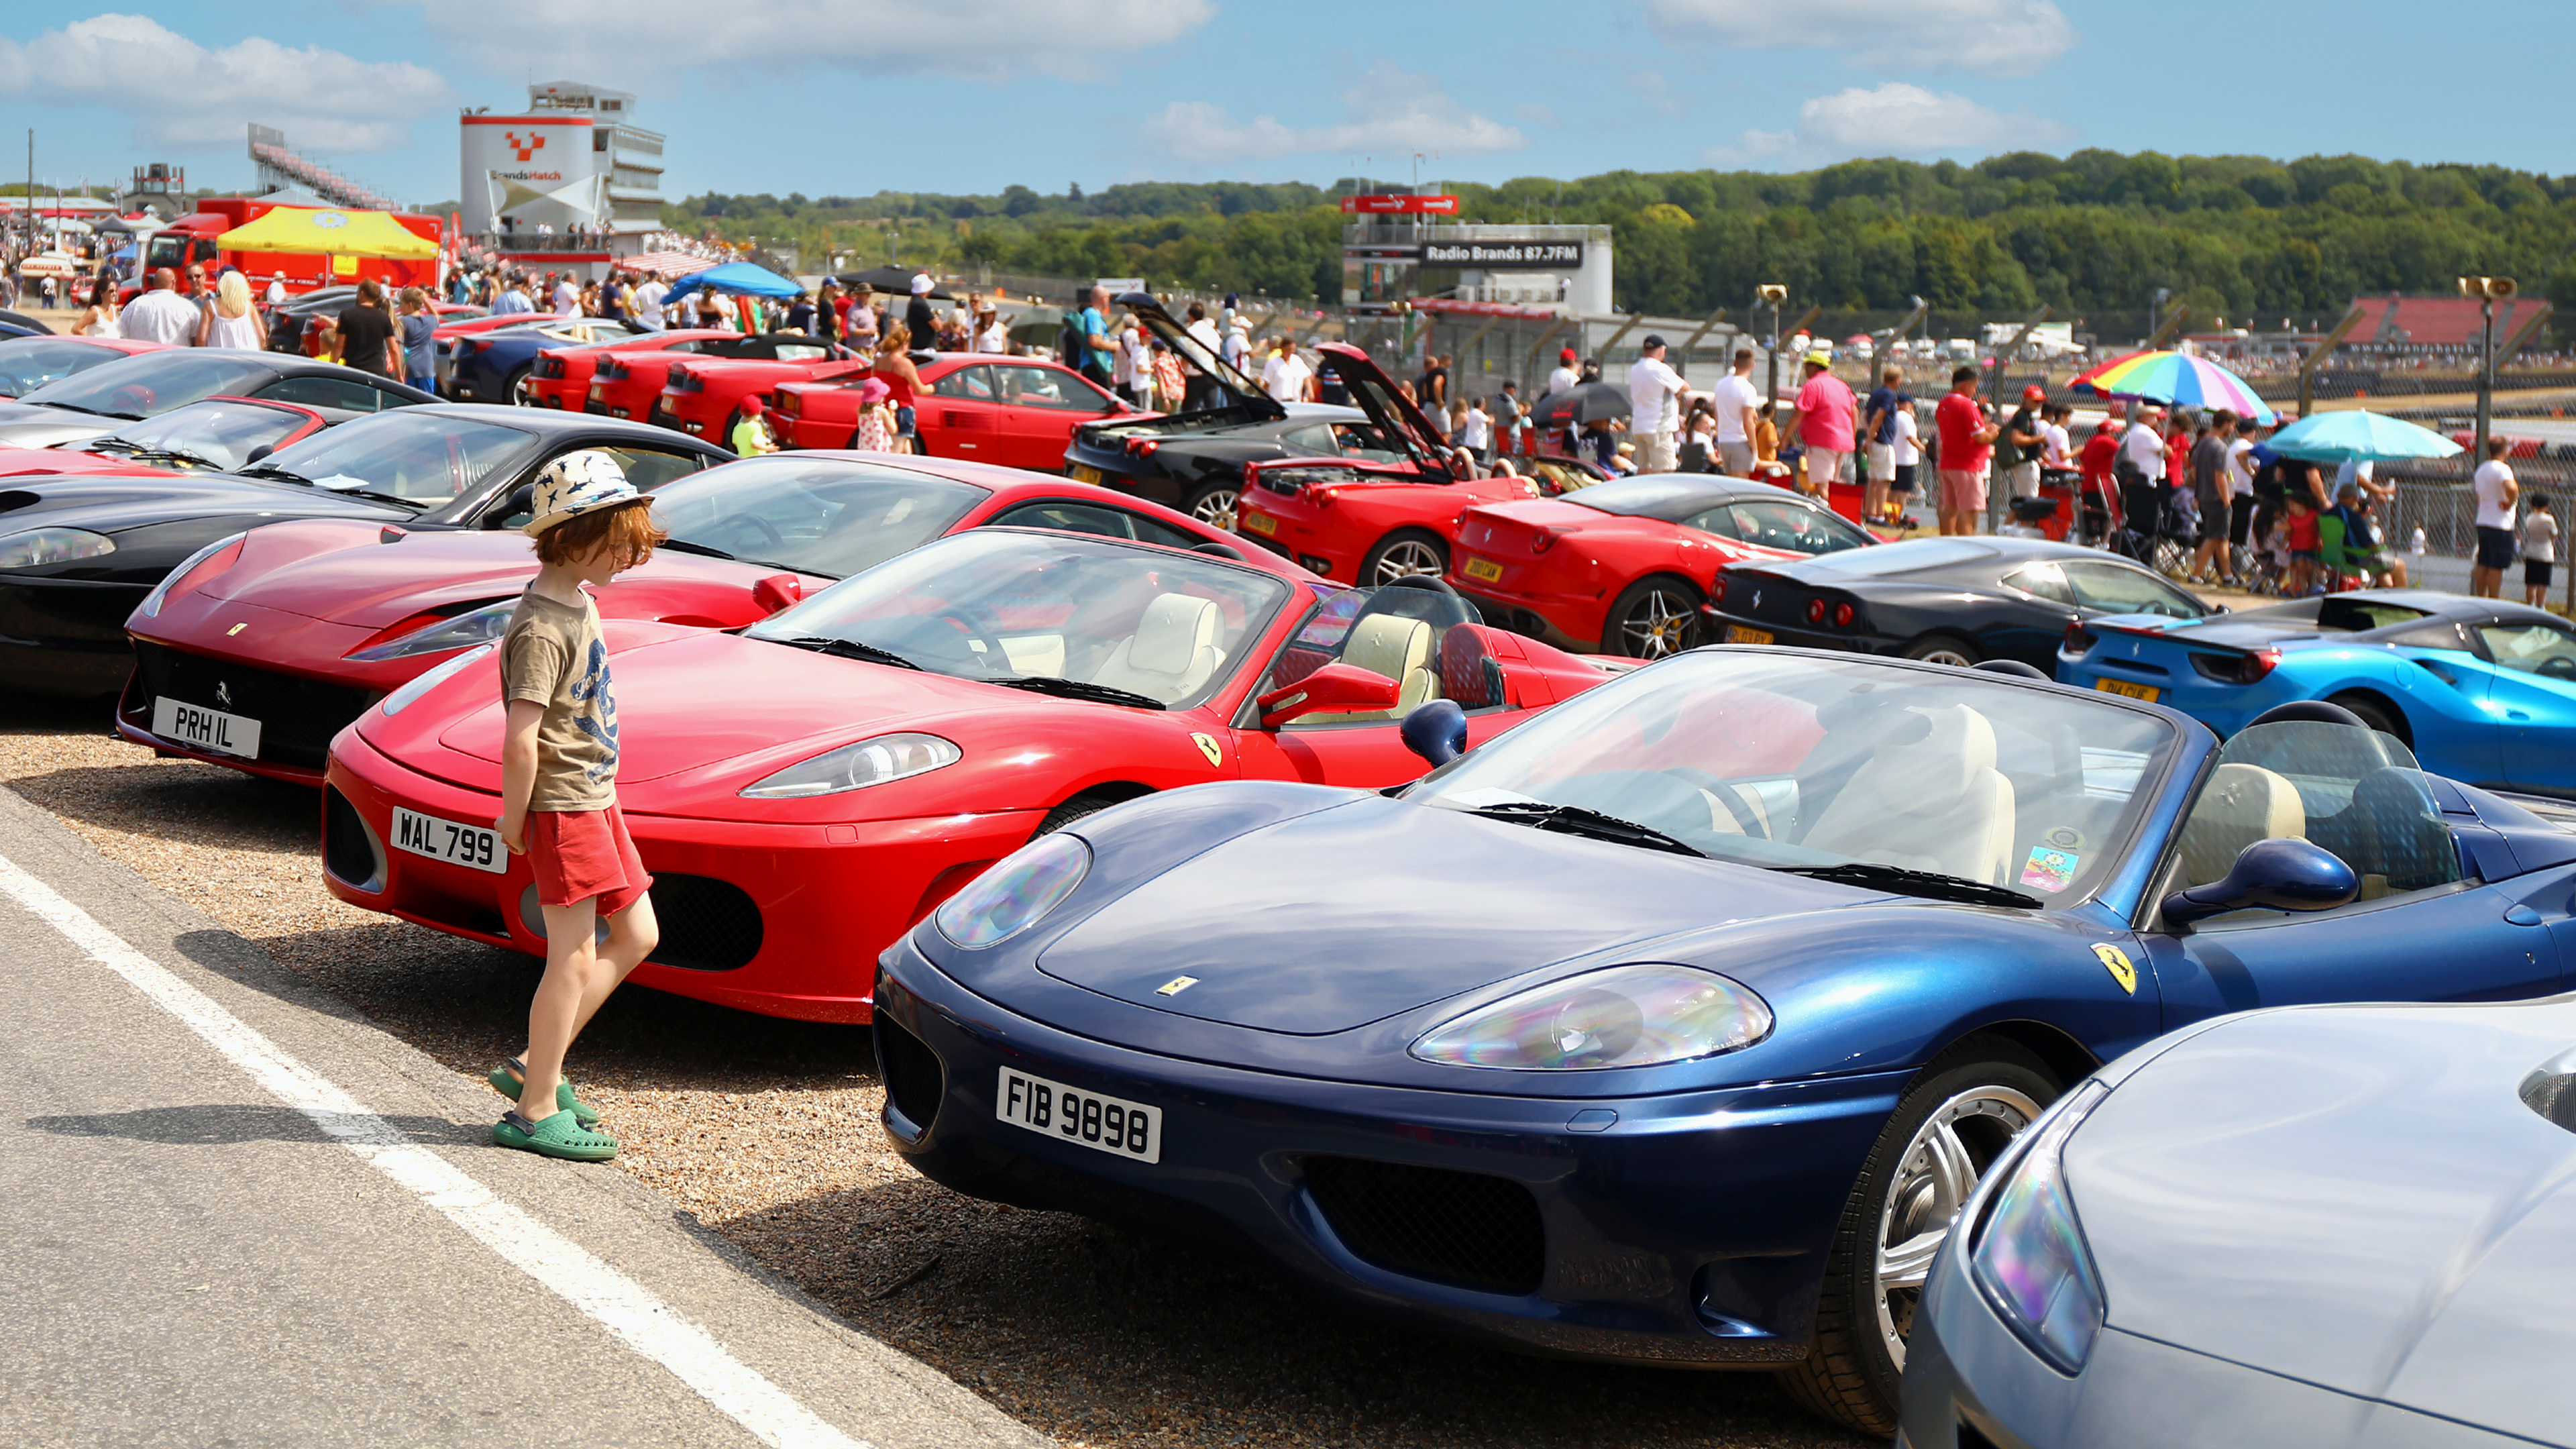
<point x="1967" y="446"/>
<point x="1827" y="423"/>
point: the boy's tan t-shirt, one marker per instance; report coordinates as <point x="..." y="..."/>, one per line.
<point x="552" y="654"/>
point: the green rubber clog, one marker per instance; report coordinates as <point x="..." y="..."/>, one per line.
<point x="511" y="1076"/>
<point x="557" y="1136"/>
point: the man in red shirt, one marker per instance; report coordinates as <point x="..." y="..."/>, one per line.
<point x="1967" y="445"/>
<point x="2094" y="463"/>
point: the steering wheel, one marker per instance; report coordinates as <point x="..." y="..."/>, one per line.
<point x="771" y="538"/>
<point x="995" y="658"/>
<point x="2559" y="666"/>
<point x="1717" y="789"/>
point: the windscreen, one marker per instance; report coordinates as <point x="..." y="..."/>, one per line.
<point x="1789" y="761"/>
<point x="28" y="363"/>
<point x="211" y="434"/>
<point x="154" y="382"/>
<point x="1001" y="604"/>
<point x="418" y="457"/>
<point x="810" y="515"/>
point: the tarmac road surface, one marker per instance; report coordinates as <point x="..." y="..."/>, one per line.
<point x="240" y="1216"/>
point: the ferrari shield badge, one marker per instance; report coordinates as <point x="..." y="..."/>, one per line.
<point x="1176" y="986"/>
<point x="1208" y="747"/>
<point x="2116" y="961"/>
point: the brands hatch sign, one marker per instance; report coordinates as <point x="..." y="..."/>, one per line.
<point x="1504" y="256"/>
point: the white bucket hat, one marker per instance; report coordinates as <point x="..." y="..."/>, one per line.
<point x="575" y="484"/>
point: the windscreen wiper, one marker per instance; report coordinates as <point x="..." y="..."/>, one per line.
<point x="1929" y="884"/>
<point x="264" y="470"/>
<point x="682" y="545"/>
<point x="1575" y="820"/>
<point x="271" y="470"/>
<point x="1078" y="689"/>
<point x="849" y="649"/>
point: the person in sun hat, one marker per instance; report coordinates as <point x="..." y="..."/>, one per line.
<point x="559" y="748"/>
<point x="876" y="431"/>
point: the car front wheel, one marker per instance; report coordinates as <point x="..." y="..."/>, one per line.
<point x="1964" y="1109"/>
<point x="1213" y="505"/>
<point x="1403" y="554"/>
<point x="1947" y="649"/>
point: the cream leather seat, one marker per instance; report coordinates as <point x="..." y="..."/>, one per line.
<point x="2241" y="804"/>
<point x="1399" y="649"/>
<point x="1173" y="652"/>
<point x="1936" y="803"/>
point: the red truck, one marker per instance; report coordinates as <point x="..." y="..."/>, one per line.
<point x="191" y="240"/>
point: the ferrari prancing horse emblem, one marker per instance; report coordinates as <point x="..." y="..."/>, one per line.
<point x="1208" y="747"/>
<point x="2116" y="962"/>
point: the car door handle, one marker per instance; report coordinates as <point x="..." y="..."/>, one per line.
<point x="2516" y="714"/>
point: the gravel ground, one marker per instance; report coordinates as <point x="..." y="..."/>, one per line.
<point x="767" y="1130"/>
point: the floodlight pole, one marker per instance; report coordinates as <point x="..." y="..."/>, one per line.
<point x="2486" y="374"/>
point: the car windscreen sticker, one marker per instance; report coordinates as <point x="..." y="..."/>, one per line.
<point x="2116" y="961"/>
<point x="2050" y="869"/>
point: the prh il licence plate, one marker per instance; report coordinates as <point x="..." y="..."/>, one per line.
<point x="1126" y="1129"/>
<point x="207" y="729"/>
<point x="477" y="846"/>
<point x="2147" y="692"/>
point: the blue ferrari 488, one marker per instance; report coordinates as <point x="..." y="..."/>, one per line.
<point x="2479" y="689"/>
<point x="1676" y="1025"/>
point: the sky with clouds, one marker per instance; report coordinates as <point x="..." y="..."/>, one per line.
<point x="853" y="96"/>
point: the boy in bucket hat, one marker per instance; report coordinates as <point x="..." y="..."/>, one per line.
<point x="559" y="792"/>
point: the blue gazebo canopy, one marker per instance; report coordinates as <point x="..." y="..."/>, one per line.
<point x="738" y="278"/>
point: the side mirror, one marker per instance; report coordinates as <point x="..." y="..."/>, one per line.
<point x="1436" y="730"/>
<point x="262" y="451"/>
<point x="520" y="500"/>
<point x="2283" y="875"/>
<point x="1334" y="688"/>
<point x="776" y="592"/>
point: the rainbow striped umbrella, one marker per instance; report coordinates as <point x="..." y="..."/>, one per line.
<point x="2177" y="378"/>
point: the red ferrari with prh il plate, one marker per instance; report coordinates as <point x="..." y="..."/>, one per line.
<point x="806" y="789"/>
<point x="275" y="640"/>
<point x="1363" y="519"/>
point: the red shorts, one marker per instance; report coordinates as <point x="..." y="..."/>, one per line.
<point x="579" y="854"/>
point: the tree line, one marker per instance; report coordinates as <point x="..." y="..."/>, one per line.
<point x="2239" y="237"/>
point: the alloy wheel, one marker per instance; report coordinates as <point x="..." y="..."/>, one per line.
<point x="1215" y="508"/>
<point x="1951" y="657"/>
<point x="1933" y="1178"/>
<point x="1660" y="624"/>
<point x="1407" y="558"/>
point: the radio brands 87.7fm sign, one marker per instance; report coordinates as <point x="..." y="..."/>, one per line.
<point x="1504" y="256"/>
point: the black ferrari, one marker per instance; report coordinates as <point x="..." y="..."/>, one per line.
<point x="78" y="553"/>
<point x="1193" y="461"/>
<point x="92" y="403"/>
<point x="1949" y="600"/>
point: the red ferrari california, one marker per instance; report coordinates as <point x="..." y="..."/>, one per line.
<point x="1016" y="411"/>
<point x="285" y="635"/>
<point x="806" y="789"/>
<point x="1623" y="566"/>
<point x="1366" y="519"/>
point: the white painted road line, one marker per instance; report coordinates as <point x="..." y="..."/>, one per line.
<point x="617" y="1302"/>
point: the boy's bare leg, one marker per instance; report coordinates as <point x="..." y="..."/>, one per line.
<point x="555" y="1014"/>
<point x="632" y="935"/>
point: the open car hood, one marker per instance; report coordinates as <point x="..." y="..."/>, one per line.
<point x="1247" y="394"/>
<point x="1395" y="415"/>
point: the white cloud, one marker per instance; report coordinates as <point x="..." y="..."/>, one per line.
<point x="1896" y="119"/>
<point x="1387" y="112"/>
<point x="1976" y="37"/>
<point x="984" y="40"/>
<point x="183" y="96"/>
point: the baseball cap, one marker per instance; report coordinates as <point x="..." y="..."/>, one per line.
<point x="753" y="406"/>
<point x="1565" y="354"/>
<point x="1819" y="358"/>
<point x="1653" y="341"/>
<point x="578" y="483"/>
<point x="2034" y="393"/>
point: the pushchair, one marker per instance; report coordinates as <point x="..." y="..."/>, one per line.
<point x="2154" y="529"/>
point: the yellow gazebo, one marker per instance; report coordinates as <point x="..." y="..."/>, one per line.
<point x="303" y="231"/>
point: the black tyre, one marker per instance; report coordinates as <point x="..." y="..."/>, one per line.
<point x="1069" y="812"/>
<point x="1653" y="618"/>
<point x="1945" y="649"/>
<point x="1402" y="554"/>
<point x="1964" y="1109"/>
<point x="514" y="389"/>
<point x="2377" y="714"/>
<point x="1213" y="505"/>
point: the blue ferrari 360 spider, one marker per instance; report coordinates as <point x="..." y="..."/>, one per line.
<point x="2333" y="1227"/>
<point x="1676" y="1024"/>
<point x="2481" y="690"/>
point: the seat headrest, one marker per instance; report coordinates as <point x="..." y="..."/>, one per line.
<point x="2241" y="804"/>
<point x="1175" y="628"/>
<point x="1388" y="644"/>
<point x="1463" y="656"/>
<point x="1940" y="767"/>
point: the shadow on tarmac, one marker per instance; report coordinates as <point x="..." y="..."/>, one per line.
<point x="218" y="1124"/>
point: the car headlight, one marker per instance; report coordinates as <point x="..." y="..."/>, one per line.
<point x="1624" y="1016"/>
<point x="1013" y="895"/>
<point x="400" y="699"/>
<point x="855" y="767"/>
<point x="2029" y="1255"/>
<point x="478" y="626"/>
<point x="52" y="546"/>
<point x="184" y="574"/>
